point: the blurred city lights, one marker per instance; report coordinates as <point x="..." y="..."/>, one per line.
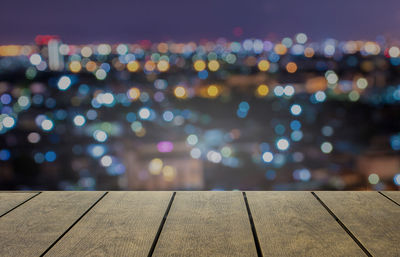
<point x="33" y="137"/>
<point x="195" y="153"/>
<point x="262" y="90"/>
<point x="47" y="125"/>
<point x="282" y="144"/>
<point x="165" y="146"/>
<point x="50" y="156"/>
<point x="192" y="139"/>
<point x="249" y="104"/>
<point x="295" y="109"/>
<point x="302" y="174"/>
<point x="326" y="147"/>
<point x="267" y="157"/>
<point x="144" y="113"/>
<point x="79" y="120"/>
<point x="106" y="161"/>
<point x="180" y="92"/>
<point x="214" y="157"/>
<point x="100" y="135"/>
<point x="396" y="179"/>
<point x="8" y="122"/>
<point x="64" y="83"/>
<point x="155" y="166"/>
<point x="373" y="179"/>
<point x="35" y="59"/>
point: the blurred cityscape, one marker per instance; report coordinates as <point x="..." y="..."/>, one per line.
<point x="288" y="114"/>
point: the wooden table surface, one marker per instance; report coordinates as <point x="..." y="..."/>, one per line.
<point x="200" y="224"/>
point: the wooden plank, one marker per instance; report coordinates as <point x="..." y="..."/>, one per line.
<point x="296" y="224"/>
<point x="373" y="220"/>
<point x="394" y="195"/>
<point x="121" y="224"/>
<point x="207" y="224"/>
<point x="31" y="228"/>
<point x="9" y="201"/>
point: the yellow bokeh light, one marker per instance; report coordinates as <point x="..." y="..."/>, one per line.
<point x="280" y="49"/>
<point x="362" y="83"/>
<point x="86" y="51"/>
<point x="155" y="166"/>
<point x="162" y="48"/>
<point x="141" y="132"/>
<point x="180" y="92"/>
<point x="149" y="65"/>
<point x="394" y="52"/>
<point x="212" y="91"/>
<point x="91" y="66"/>
<point x="372" y="48"/>
<point x="263" y="65"/>
<point x="75" y="66"/>
<point x="134" y="93"/>
<point x="291" y="67"/>
<point x="163" y="65"/>
<point x="133" y="66"/>
<point x="10" y="50"/>
<point x="213" y="65"/>
<point x="262" y="90"/>
<point x="169" y="173"/>
<point x="199" y="65"/>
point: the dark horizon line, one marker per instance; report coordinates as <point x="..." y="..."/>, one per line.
<point x="274" y="38"/>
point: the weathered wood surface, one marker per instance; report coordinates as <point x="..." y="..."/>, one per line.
<point x="122" y="224"/>
<point x="207" y="224"/>
<point x="296" y="224"/>
<point x="193" y="224"/>
<point x="8" y="201"/>
<point x="394" y="195"/>
<point x="374" y="220"/>
<point x="31" y="228"/>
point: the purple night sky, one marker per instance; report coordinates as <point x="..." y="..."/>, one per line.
<point x="87" y="21"/>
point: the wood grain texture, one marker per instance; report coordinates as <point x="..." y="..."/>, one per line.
<point x="374" y="220"/>
<point x="207" y="224"/>
<point x="10" y="200"/>
<point x="296" y="224"/>
<point x="121" y="224"/>
<point x="31" y="228"/>
<point x="394" y="195"/>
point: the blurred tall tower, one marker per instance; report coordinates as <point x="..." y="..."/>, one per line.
<point x="56" y="62"/>
<point x="49" y="46"/>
